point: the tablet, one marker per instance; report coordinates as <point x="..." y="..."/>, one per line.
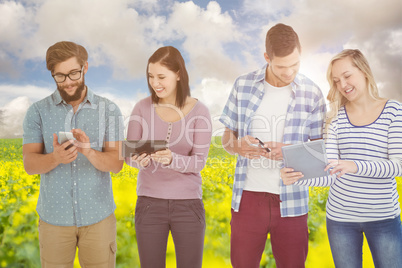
<point x="309" y="158"/>
<point x="135" y="147"/>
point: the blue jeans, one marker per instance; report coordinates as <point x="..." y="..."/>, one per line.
<point x="384" y="239"/>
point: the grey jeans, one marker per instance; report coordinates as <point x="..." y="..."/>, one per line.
<point x="154" y="218"/>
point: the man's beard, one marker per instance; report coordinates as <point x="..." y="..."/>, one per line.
<point x="77" y="94"/>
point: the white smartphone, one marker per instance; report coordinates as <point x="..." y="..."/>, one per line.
<point x="66" y="136"/>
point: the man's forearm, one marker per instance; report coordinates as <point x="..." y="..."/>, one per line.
<point x="105" y="161"/>
<point x="36" y="163"/>
<point x="229" y="140"/>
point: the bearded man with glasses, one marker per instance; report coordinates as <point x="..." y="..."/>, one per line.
<point x="74" y="75"/>
<point x="75" y="205"/>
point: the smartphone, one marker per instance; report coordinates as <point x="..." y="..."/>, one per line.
<point x="64" y="137"/>
<point x="262" y="145"/>
<point x="138" y="147"/>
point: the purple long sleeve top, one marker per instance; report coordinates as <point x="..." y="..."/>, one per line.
<point x="188" y="139"/>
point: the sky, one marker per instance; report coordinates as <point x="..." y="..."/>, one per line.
<point x="219" y="40"/>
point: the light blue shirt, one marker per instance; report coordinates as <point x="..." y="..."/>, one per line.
<point x="304" y="121"/>
<point x="74" y="194"/>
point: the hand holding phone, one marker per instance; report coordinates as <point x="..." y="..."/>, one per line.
<point x="262" y="145"/>
<point x="64" y="137"/>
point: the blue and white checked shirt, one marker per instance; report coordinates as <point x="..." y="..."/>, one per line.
<point x="304" y="121"/>
<point x="74" y="194"/>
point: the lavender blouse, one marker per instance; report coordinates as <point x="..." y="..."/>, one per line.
<point x="188" y="139"/>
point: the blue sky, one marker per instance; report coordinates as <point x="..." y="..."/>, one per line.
<point x="219" y="40"/>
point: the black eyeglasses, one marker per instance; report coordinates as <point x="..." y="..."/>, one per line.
<point x="74" y="75"/>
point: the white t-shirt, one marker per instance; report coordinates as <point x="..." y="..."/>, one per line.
<point x="268" y="124"/>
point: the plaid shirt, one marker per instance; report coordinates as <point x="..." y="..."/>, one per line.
<point x="304" y="121"/>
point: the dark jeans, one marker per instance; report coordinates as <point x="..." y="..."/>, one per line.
<point x="383" y="237"/>
<point x="259" y="214"/>
<point x="154" y="218"/>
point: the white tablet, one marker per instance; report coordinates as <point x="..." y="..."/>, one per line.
<point x="309" y="158"/>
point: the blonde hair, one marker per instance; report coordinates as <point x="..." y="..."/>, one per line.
<point x="335" y="98"/>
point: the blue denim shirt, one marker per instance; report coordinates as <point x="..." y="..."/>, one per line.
<point x="74" y="194"/>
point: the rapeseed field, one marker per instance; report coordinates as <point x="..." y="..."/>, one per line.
<point x="18" y="218"/>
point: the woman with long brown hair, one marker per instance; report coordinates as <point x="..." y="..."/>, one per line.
<point x="169" y="181"/>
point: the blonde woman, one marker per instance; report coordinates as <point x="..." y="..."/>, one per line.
<point x="364" y="143"/>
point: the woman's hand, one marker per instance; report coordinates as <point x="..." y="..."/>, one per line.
<point x="341" y="167"/>
<point x="164" y="157"/>
<point x="142" y="160"/>
<point x="289" y="176"/>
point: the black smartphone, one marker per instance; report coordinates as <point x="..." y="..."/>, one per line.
<point x="262" y="145"/>
<point x="138" y="147"/>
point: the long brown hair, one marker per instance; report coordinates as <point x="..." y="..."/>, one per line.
<point x="171" y="58"/>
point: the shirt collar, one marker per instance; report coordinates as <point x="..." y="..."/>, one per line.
<point x="90" y="96"/>
<point x="260" y="76"/>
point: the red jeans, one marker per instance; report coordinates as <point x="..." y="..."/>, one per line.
<point x="259" y="214"/>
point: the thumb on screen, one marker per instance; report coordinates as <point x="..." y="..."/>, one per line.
<point x="55" y="140"/>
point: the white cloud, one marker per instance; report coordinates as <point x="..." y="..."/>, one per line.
<point x="125" y="104"/>
<point x="374" y="27"/>
<point x="218" y="47"/>
<point x="34" y="93"/>
<point x="12" y="116"/>
<point x="328" y="25"/>
<point x="15" y="26"/>
<point x="111" y="30"/>
<point x="12" y="113"/>
<point x="205" y="33"/>
<point x="211" y="91"/>
<point x="314" y="66"/>
<point x="384" y="54"/>
<point x="116" y="34"/>
<point x="15" y="22"/>
<point x="214" y="94"/>
<point x="268" y="9"/>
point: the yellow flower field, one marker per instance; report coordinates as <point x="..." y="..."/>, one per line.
<point x="18" y="219"/>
